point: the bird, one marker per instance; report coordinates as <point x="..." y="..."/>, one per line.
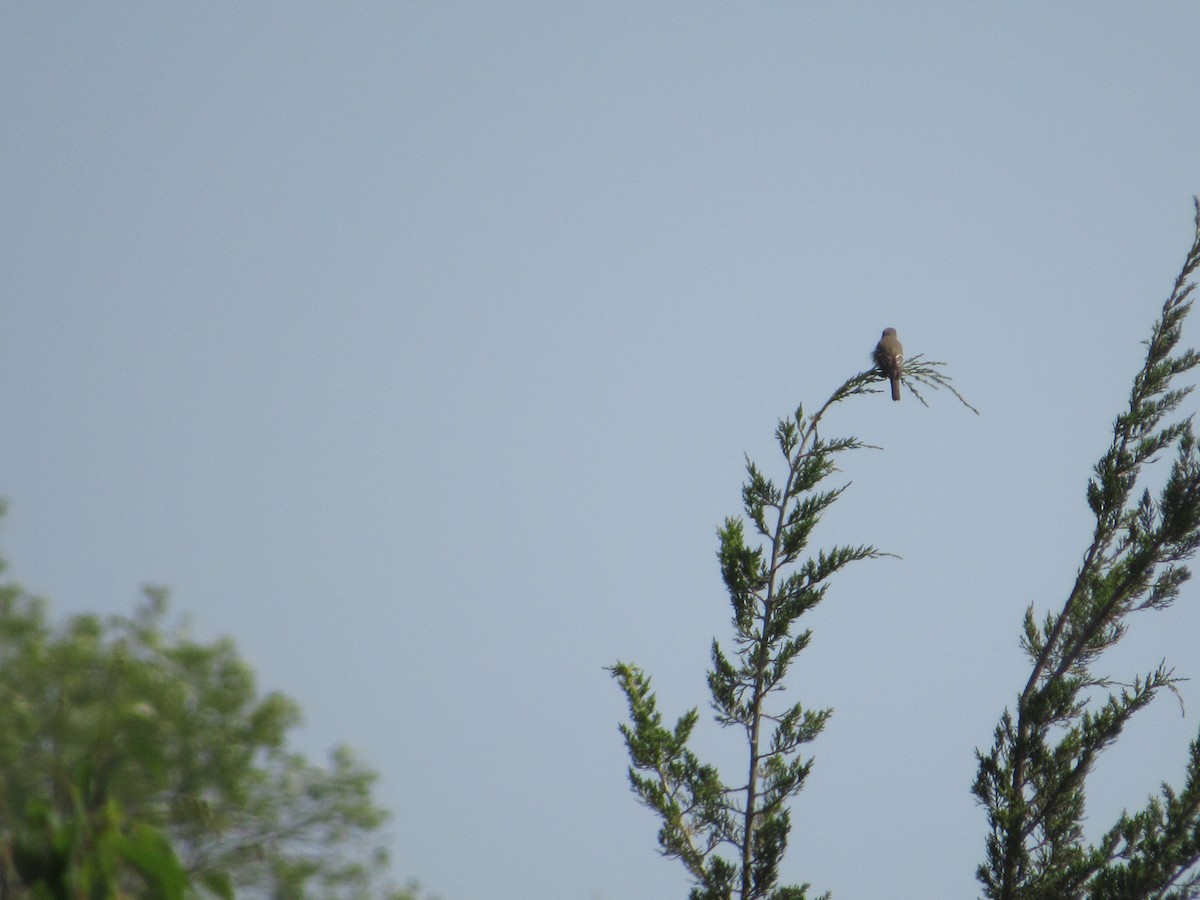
<point x="889" y="356"/>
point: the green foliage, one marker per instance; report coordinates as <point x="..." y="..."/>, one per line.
<point x="174" y="735"/>
<point x="98" y="856"/>
<point x="770" y="584"/>
<point x="1032" y="781"/>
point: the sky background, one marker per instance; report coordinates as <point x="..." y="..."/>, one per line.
<point x="416" y="346"/>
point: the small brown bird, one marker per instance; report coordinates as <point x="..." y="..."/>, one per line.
<point x="889" y="356"/>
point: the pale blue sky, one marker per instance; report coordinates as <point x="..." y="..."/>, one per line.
<point x="417" y="347"/>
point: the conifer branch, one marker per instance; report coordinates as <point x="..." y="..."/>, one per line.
<point x="769" y="586"/>
<point x="1033" y="780"/>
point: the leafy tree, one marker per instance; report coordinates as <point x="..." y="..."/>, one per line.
<point x="770" y="586"/>
<point x="101" y="856"/>
<point x="1032" y="781"/>
<point x="173" y="736"/>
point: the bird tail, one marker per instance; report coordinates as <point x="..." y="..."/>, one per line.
<point x="895" y="388"/>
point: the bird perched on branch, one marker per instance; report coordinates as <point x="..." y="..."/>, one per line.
<point x="889" y="356"/>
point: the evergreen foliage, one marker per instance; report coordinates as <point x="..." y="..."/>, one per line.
<point x="1032" y="781"/>
<point x="731" y="838"/>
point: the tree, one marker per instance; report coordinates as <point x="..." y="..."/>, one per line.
<point x="99" y="856"/>
<point x="1032" y="781"/>
<point x="127" y="716"/>
<point x="770" y="587"/>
